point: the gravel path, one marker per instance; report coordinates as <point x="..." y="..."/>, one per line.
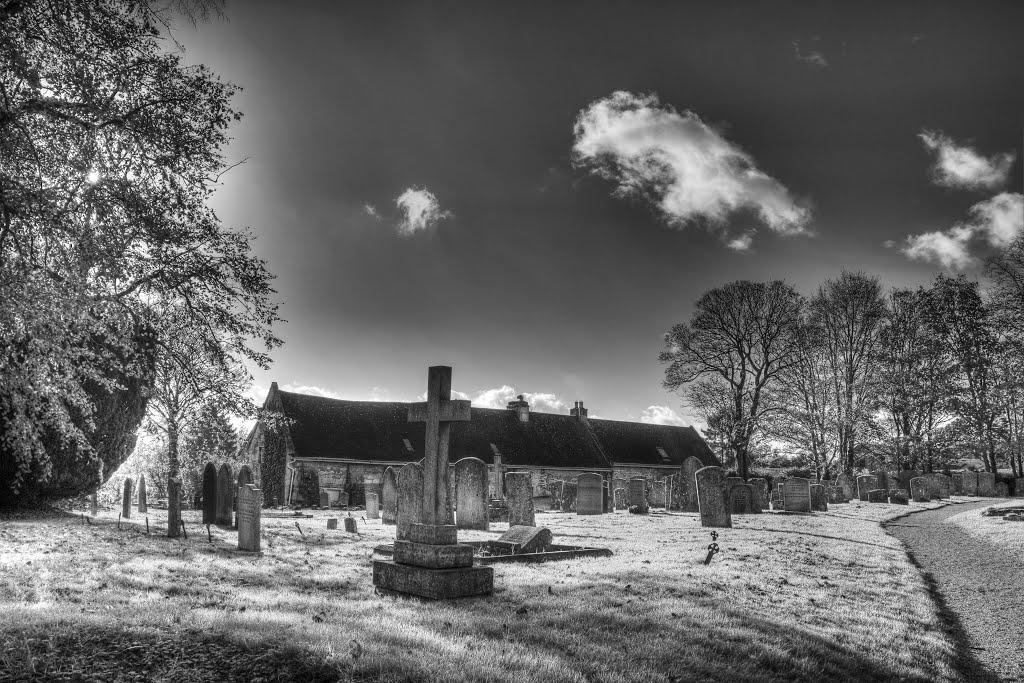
<point x="979" y="589"/>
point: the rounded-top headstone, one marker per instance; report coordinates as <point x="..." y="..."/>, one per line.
<point x="819" y="498"/>
<point x="688" y="499"/>
<point x="126" y="501"/>
<point x="919" y="490"/>
<point x="143" y="503"/>
<point x="865" y="484"/>
<point x="471" y="494"/>
<point x="638" y="494"/>
<point x="589" y="494"/>
<point x="743" y="499"/>
<point x="711" y="497"/>
<point x="225" y="494"/>
<point x="209" y="494"/>
<point x="389" y="496"/>
<point x="410" y="500"/>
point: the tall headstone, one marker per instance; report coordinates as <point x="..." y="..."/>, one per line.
<point x="711" y="497"/>
<point x="761" y="486"/>
<point x="920" y="491"/>
<point x="431" y="562"/>
<point x="620" y="499"/>
<point x="866" y="483"/>
<point x="638" y="494"/>
<point x="173" y="507"/>
<point x="688" y="499"/>
<point x="589" y="494"/>
<point x="849" y="486"/>
<point x="225" y="494"/>
<point x="1018" y="487"/>
<point x="1002" y="490"/>
<point x="957" y="484"/>
<point x="819" y="498"/>
<point x="938" y="485"/>
<point x="143" y="506"/>
<point x="250" y="505"/>
<point x="519" y="497"/>
<point x="244" y="477"/>
<point x="796" y="495"/>
<point x="883" y="479"/>
<point x="970" y="483"/>
<point x="986" y="484"/>
<point x="744" y="500"/>
<point x="126" y="500"/>
<point x="209" y="494"/>
<point x="471" y="494"/>
<point x="389" y="497"/>
<point x="658" y="494"/>
<point x="93" y="505"/>
<point x="410" y="500"/>
<point x="905" y="476"/>
<point x="372" y="505"/>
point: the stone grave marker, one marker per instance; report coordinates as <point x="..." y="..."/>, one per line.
<point x="350" y="525"/>
<point x="711" y="497"/>
<point x="796" y="495"/>
<point x="94" y="504"/>
<point x="905" y="476"/>
<point x="883" y="479"/>
<point x="325" y="499"/>
<point x="244" y="477"/>
<point x="620" y="499"/>
<point x="143" y="503"/>
<point x="638" y="494"/>
<point x="899" y="496"/>
<point x="209" y="494"/>
<point x="970" y="483"/>
<point x="761" y="487"/>
<point x="332" y="523"/>
<point x="471" y="494"/>
<point x="372" y="505"/>
<point x="126" y="500"/>
<point x="819" y="498"/>
<point x="688" y="498"/>
<point x="173" y="507"/>
<point x="523" y="539"/>
<point x="835" y="494"/>
<point x="1018" y="487"/>
<point x="519" y="496"/>
<point x="250" y="504"/>
<point x="658" y="494"/>
<point x="410" y="499"/>
<point x="938" y="485"/>
<point x="589" y="494"/>
<point x="225" y="494"/>
<point x="986" y="484"/>
<point x="878" y="496"/>
<point x="389" y="497"/>
<point x="849" y="486"/>
<point x="920" y="490"/>
<point x="866" y="483"/>
<point x="744" y="500"/>
<point x="957" y="484"/>
<point x="1002" y="490"/>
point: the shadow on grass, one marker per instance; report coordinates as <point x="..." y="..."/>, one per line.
<point x="831" y="538"/>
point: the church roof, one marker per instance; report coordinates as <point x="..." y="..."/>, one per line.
<point x="367" y="430"/>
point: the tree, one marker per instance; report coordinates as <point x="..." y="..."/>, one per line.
<point x="109" y="148"/>
<point x="740" y="338"/>
<point x="210" y="438"/>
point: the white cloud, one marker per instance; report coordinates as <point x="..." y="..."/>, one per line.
<point x="961" y="166"/>
<point x="996" y="221"/>
<point x="309" y="389"/>
<point x="371" y="210"/>
<point x="741" y="243"/>
<point x="688" y="169"/>
<point x="499" y="397"/>
<point x="813" y="57"/>
<point x="663" y="415"/>
<point x="420" y="209"/>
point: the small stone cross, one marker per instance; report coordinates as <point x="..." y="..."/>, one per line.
<point x="438" y="412"/>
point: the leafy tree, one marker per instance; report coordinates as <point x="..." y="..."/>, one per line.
<point x="210" y="438"/>
<point x="730" y="354"/>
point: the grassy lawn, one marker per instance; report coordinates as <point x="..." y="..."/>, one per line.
<point x="828" y="596"/>
<point x="1007" y="535"/>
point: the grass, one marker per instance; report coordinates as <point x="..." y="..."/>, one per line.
<point x="828" y="596"/>
<point x="1007" y="535"/>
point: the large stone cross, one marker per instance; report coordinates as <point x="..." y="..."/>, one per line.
<point x="438" y="412"/>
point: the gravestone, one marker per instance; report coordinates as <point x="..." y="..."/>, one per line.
<point x="866" y="483"/>
<point x="638" y="494"/>
<point x="143" y="506"/>
<point x="332" y="523"/>
<point x="970" y="483"/>
<point x="899" y="497"/>
<point x="883" y="479"/>
<point x="620" y="499"/>
<point x="819" y="498"/>
<point x="711" y="497"/>
<point x="523" y="539"/>
<point x="957" y="484"/>
<point x="589" y="494"/>
<point x="389" y="497"/>
<point x="410" y="500"/>
<point x="244" y="477"/>
<point x="878" y="496"/>
<point x="173" y="507"/>
<point x="250" y="504"/>
<point x="325" y="499"/>
<point x="849" y="486"/>
<point x="471" y="494"/>
<point x="209" y="494"/>
<point x="519" y="496"/>
<point x="126" y="500"/>
<point x="920" y="490"/>
<point x="1002" y="490"/>
<point x="905" y="476"/>
<point x="93" y="504"/>
<point x="225" y="494"/>
<point x="658" y="495"/>
<point x="761" y="487"/>
<point x="688" y="498"/>
<point x="796" y="495"/>
<point x="836" y="495"/>
<point x="1018" y="487"/>
<point x="350" y="525"/>
<point x="732" y="481"/>
<point x="372" y="505"/>
<point x="432" y="563"/>
<point x="744" y="500"/>
<point x="938" y="485"/>
<point x="986" y="484"/>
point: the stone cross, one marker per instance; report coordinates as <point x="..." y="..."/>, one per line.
<point x="438" y="413"/>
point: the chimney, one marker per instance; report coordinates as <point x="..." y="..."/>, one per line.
<point x="521" y="407"/>
<point x="579" y="412"/>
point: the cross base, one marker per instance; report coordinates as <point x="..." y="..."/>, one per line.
<point x="436" y="584"/>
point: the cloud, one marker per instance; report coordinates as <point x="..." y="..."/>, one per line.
<point x="961" y="166"/>
<point x="371" y="210"/>
<point x="813" y="57"/>
<point x="663" y="415"/>
<point x="996" y="221"/>
<point x="421" y="210"/>
<point x="741" y="243"/>
<point x="675" y="160"/>
<point x="499" y="397"/>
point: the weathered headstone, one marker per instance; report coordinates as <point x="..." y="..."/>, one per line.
<point x="225" y="494"/>
<point x="244" y="477"/>
<point x="711" y="497"/>
<point x="986" y="484"/>
<point x="519" y="496"/>
<point x="173" y="507"/>
<point x="849" y="486"/>
<point x="920" y="490"/>
<point x="744" y="500"/>
<point x="866" y="483"/>
<point x="325" y="499"/>
<point x="957" y="484"/>
<point x="796" y="495"/>
<point x="209" y="494"/>
<point x="410" y="500"/>
<point x="638" y="494"/>
<point x="878" y="496"/>
<point x="905" y="476"/>
<point x="350" y="525"/>
<point x="688" y="499"/>
<point x="126" y="500"/>
<point x="883" y="479"/>
<point x="94" y="504"/>
<point x="970" y="483"/>
<point x="620" y="499"/>
<point x="761" y="487"/>
<point x="471" y="494"/>
<point x="938" y="484"/>
<point x="899" y="496"/>
<point x="522" y="539"/>
<point x="658" y="494"/>
<point x="389" y="497"/>
<point x="143" y="503"/>
<point x="1002" y="490"/>
<point x="836" y="494"/>
<point x="1018" y="487"/>
<point x="819" y="498"/>
<point x="250" y="504"/>
<point x="332" y="523"/>
<point x="589" y="494"/>
<point x="372" y="505"/>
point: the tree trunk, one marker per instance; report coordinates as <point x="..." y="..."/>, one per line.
<point x="173" y="483"/>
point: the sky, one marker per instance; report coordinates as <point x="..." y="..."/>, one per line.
<point x="534" y="193"/>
